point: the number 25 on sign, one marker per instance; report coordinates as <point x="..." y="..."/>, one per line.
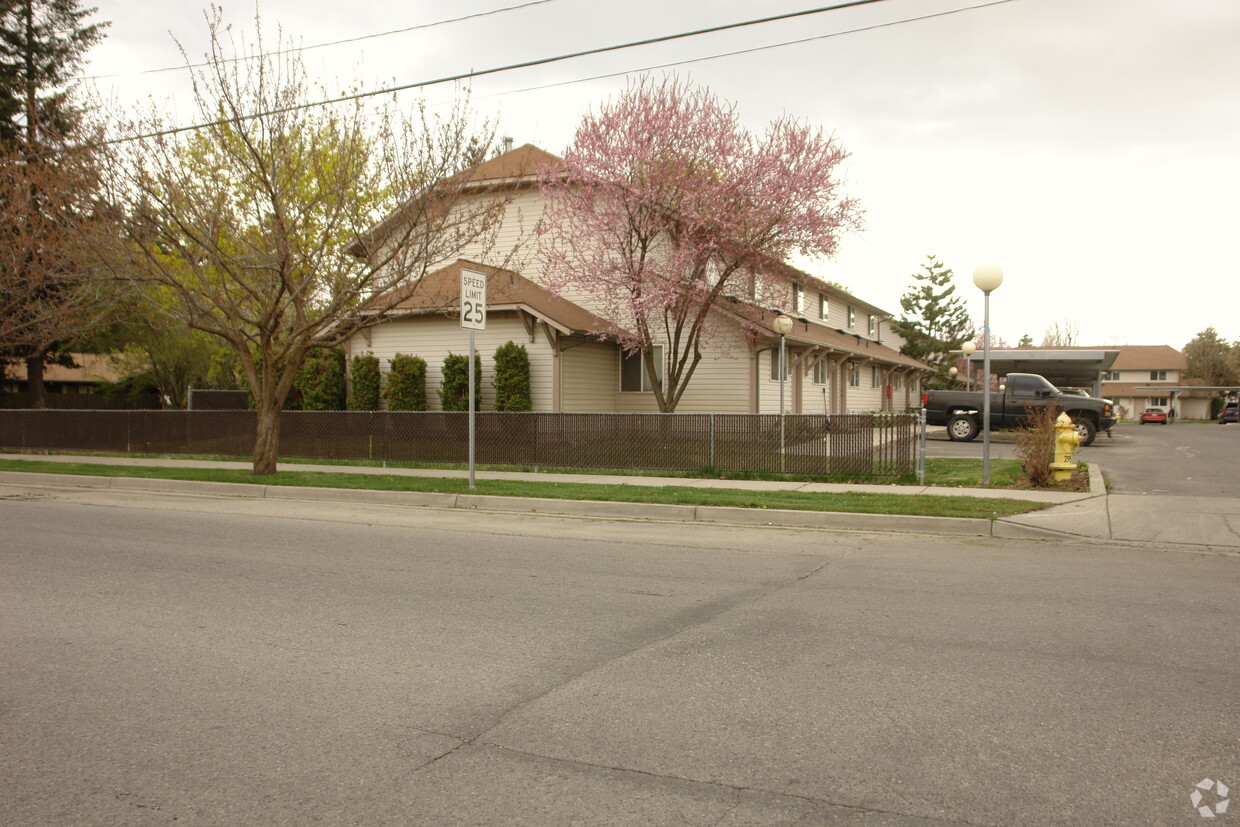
<point x="473" y="300"/>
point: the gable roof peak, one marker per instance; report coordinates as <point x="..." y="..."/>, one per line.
<point x="522" y="162"/>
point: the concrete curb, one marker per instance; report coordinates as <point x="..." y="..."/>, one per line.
<point x="847" y="521"/>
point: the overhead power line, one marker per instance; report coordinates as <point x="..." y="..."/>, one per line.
<point x="600" y="50"/>
<point x="750" y="50"/>
<point x="484" y="72"/>
<point x="358" y="39"/>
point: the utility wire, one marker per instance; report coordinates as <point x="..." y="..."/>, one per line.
<point x="492" y="71"/>
<point x="317" y="45"/>
<point x="751" y="50"/>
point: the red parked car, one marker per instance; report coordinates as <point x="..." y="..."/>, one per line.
<point x="1154" y="415"/>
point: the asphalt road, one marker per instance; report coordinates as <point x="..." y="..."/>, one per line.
<point x="1192" y="460"/>
<point x="1201" y="460"/>
<point x="216" y="661"/>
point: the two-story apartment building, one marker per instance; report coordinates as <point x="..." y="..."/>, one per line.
<point x="1139" y="368"/>
<point x="842" y="354"/>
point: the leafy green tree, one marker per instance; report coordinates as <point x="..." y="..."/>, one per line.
<point x="406" y="384"/>
<point x="364" y="373"/>
<point x="320" y="383"/>
<point x="1025" y="341"/>
<point x="512" y="378"/>
<point x="47" y="183"/>
<point x="935" y="321"/>
<point x="1211" y="359"/>
<point x="264" y="224"/>
<point x="224" y="371"/>
<point x="454" y="390"/>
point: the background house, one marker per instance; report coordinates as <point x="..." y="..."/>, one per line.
<point x="89" y="369"/>
<point x="1140" y="369"/>
<point x="842" y="353"/>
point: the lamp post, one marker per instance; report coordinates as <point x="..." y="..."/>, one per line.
<point x="968" y="349"/>
<point x="783" y="325"/>
<point x="987" y="277"/>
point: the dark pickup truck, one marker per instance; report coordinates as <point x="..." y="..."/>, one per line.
<point x="961" y="411"/>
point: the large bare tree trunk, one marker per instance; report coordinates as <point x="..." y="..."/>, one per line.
<point x="267" y="439"/>
<point x="34" y="381"/>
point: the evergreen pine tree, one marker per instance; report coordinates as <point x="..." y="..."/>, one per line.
<point x="935" y="321"/>
<point x="42" y="45"/>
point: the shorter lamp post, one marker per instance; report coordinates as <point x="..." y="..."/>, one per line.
<point x="987" y="277"/>
<point x="951" y="374"/>
<point x="968" y="349"/>
<point x="783" y="325"/>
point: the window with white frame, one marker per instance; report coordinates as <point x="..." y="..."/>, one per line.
<point x="1158" y="376"/>
<point x="798" y="298"/>
<point x="869" y="323"/>
<point x="775" y="364"/>
<point x="824" y="306"/>
<point x="1110" y="376"/>
<point x="822" y="372"/>
<point x="854" y="375"/>
<point x="876" y="376"/>
<point x="634" y="377"/>
<point x="852" y="317"/>
<point x="1160" y="402"/>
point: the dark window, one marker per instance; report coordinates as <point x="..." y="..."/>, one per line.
<point x="633" y="376"/>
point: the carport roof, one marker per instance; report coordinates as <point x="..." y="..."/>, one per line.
<point x="1062" y="367"/>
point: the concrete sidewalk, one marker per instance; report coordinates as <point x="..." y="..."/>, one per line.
<point x="1178" y="521"/>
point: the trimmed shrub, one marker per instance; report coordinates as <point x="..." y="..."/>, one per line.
<point x="454" y="390"/>
<point x="320" y="381"/>
<point x="512" y="378"/>
<point x="406" y="384"/>
<point x="1035" y="445"/>
<point x="364" y="371"/>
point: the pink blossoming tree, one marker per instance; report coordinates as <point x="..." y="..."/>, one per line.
<point x="674" y="221"/>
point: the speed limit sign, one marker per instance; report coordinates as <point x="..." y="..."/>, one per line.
<point x="473" y="300"/>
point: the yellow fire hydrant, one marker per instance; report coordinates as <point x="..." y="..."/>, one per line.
<point x="1067" y="438"/>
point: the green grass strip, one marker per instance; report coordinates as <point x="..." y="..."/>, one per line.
<point x="927" y="505"/>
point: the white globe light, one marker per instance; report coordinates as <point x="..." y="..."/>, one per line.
<point x="969" y="348"/>
<point x="988" y="277"/>
<point x="783" y="325"/>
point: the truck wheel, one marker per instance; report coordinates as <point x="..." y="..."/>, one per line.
<point x="962" y="428"/>
<point x="1087" y="430"/>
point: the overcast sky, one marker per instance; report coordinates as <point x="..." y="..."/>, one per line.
<point x="1091" y="148"/>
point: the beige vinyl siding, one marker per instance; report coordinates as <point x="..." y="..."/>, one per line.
<point x="720" y="384"/>
<point x="865" y="398"/>
<point x="590" y="377"/>
<point x="768" y="388"/>
<point x="515" y="241"/>
<point x="434" y="337"/>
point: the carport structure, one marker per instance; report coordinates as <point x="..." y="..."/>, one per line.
<point x="1063" y="368"/>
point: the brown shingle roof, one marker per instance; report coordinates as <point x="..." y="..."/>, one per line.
<point x="806" y="332"/>
<point x="522" y="162"/>
<point x="440" y="292"/>
<point x="1149" y="357"/>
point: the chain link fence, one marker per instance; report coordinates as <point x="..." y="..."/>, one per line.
<point x="861" y="445"/>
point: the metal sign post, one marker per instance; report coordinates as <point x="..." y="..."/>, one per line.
<point x="473" y="317"/>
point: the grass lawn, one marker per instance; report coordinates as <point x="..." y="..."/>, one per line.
<point x="946" y="473"/>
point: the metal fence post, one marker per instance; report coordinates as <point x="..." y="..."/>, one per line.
<point x="921" y="447"/>
<point x="712" y="440"/>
